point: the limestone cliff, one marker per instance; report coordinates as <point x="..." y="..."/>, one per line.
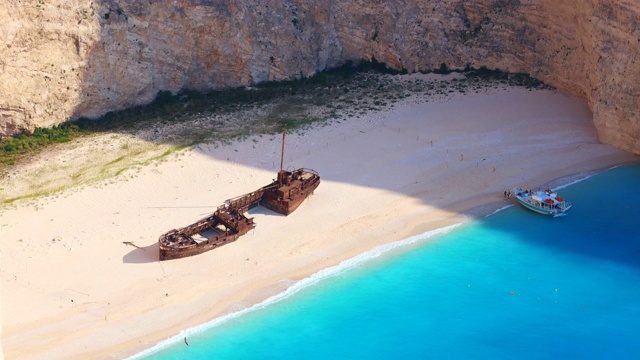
<point x="62" y="59"/>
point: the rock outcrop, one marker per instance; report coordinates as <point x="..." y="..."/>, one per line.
<point x="63" y="59"/>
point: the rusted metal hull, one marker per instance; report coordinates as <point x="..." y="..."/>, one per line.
<point x="284" y="195"/>
<point x="168" y="252"/>
<point x="271" y="200"/>
<point x="223" y="226"/>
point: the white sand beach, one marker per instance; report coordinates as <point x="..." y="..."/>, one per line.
<point x="71" y="289"/>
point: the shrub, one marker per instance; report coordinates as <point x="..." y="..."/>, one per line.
<point x="10" y="147"/>
<point x="443" y="69"/>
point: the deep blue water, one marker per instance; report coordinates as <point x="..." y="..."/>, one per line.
<point x="514" y="285"/>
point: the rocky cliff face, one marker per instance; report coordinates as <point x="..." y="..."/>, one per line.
<point x="62" y="59"/>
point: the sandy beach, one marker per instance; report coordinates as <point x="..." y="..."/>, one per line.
<point x="72" y="289"/>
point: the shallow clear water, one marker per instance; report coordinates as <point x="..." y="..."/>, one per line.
<point x="512" y="285"/>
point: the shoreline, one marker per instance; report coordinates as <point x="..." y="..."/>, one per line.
<point x="296" y="286"/>
<point x="416" y="237"/>
<point x="393" y="185"/>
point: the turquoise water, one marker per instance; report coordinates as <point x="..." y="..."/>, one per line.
<point x="512" y="285"/>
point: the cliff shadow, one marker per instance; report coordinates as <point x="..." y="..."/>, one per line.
<point x="348" y="125"/>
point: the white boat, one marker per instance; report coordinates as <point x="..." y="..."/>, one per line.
<point x="543" y="202"/>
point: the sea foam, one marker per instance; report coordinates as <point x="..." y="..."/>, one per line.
<point x="297" y="286"/>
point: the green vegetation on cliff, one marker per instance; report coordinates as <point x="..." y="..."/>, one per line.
<point x="191" y="117"/>
<point x="13" y="147"/>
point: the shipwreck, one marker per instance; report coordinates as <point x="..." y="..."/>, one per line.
<point x="284" y="195"/>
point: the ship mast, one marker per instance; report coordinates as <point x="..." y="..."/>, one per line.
<point x="282" y="155"/>
<point x="281" y="173"/>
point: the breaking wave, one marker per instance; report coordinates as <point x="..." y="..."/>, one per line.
<point x="296" y="287"/>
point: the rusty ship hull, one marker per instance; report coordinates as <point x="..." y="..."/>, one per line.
<point x="182" y="243"/>
<point x="287" y="192"/>
<point x="284" y="195"/>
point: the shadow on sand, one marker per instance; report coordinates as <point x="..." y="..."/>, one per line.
<point x="141" y="255"/>
<point x="432" y="139"/>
